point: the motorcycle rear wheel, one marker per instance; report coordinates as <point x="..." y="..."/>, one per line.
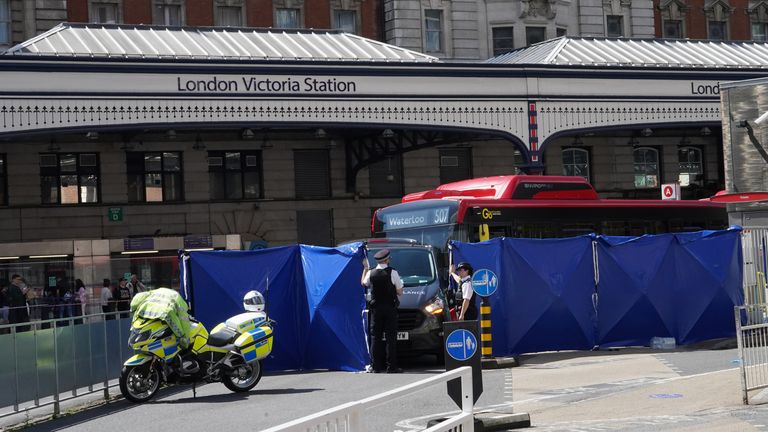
<point x="243" y="378"/>
<point x="139" y="383"/>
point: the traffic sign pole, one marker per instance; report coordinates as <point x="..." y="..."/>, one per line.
<point x="460" y="345"/>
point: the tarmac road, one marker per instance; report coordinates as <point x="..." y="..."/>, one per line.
<point x="627" y="390"/>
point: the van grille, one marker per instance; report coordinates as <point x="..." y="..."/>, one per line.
<point x="409" y="319"/>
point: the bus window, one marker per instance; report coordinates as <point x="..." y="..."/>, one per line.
<point x="497" y="231"/>
<point x="576" y="229"/>
<point x="614" y="228"/>
<point x="536" y="230"/>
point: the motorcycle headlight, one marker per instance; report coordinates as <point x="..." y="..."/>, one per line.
<point x="434" y="308"/>
<point x="138" y="336"/>
<point x="162" y="333"/>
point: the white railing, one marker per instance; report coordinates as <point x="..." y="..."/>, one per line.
<point x="348" y="417"/>
<point x="752" y="339"/>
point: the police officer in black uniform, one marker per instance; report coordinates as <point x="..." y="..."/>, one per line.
<point x="462" y="274"/>
<point x="386" y="287"/>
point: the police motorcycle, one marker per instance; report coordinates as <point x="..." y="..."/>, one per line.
<point x="230" y="354"/>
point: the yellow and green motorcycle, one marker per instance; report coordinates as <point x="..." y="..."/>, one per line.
<point x="230" y="354"/>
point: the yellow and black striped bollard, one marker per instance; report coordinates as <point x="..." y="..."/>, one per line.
<point x="485" y="327"/>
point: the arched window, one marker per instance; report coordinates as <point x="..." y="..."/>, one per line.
<point x="691" y="166"/>
<point x="646" y="164"/>
<point x="759" y="19"/>
<point x="576" y="162"/>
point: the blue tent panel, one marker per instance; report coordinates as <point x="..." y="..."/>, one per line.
<point x="544" y="299"/>
<point x="709" y="284"/>
<point x="335" y="298"/>
<point x="314" y="296"/>
<point x="220" y="279"/>
<point x="635" y="292"/>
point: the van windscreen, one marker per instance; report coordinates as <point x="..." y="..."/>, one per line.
<point x="415" y="266"/>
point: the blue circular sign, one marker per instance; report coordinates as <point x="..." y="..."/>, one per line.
<point x="461" y="344"/>
<point x="484" y="282"/>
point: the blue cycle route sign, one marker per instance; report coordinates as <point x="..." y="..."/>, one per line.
<point x="461" y="344"/>
<point x="484" y="282"/>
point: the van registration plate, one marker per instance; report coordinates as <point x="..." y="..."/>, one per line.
<point x="402" y="335"/>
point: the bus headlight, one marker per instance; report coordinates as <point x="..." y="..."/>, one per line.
<point x="435" y="307"/>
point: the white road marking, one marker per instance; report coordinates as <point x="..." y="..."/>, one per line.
<point x="417" y="423"/>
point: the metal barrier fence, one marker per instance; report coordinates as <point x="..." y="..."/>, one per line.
<point x="754" y="244"/>
<point x="47" y="362"/>
<point x="349" y="417"/>
<point x="752" y="340"/>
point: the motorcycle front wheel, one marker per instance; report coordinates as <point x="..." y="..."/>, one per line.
<point x="243" y="378"/>
<point x="139" y="383"/>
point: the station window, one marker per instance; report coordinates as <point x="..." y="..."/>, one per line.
<point x="759" y="32"/>
<point x="168" y="12"/>
<point x="311" y="170"/>
<point x="154" y="176"/>
<point x="229" y="16"/>
<point x="288" y="18"/>
<point x="315" y="227"/>
<point x="646" y="167"/>
<point x="576" y="162"/>
<point x="69" y="178"/>
<point x="386" y="177"/>
<point x="503" y="40"/>
<point x="673" y="29"/>
<point x="691" y="166"/>
<point x="717" y="30"/>
<point x="5" y="22"/>
<point x="235" y="175"/>
<point x="345" y="20"/>
<point x="455" y="164"/>
<point x="614" y="26"/>
<point x="433" y="30"/>
<point x="535" y="35"/>
<point x="105" y="12"/>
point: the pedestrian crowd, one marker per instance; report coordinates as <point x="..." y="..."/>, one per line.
<point x="21" y="303"/>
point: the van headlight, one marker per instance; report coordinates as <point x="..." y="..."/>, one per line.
<point x="435" y="307"/>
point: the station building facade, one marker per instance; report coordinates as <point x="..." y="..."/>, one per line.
<point x="120" y="145"/>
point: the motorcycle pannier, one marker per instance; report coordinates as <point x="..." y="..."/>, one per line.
<point x="255" y="344"/>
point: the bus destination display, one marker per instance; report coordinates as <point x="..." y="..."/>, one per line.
<point x="416" y="218"/>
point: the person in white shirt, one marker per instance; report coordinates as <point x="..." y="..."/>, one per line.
<point x="462" y="274"/>
<point x="106" y="297"/>
<point x="386" y="288"/>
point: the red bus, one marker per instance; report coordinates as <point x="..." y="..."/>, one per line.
<point x="535" y="207"/>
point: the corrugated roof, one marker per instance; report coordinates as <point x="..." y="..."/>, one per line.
<point x="218" y="43"/>
<point x="640" y="52"/>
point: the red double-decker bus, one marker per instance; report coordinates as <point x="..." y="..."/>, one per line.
<point x="535" y="207"/>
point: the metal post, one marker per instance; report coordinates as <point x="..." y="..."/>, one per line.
<point x="15" y="368"/>
<point x="485" y="327"/>
<point x="740" y="344"/>
<point x="37" y="366"/>
<point x="467" y="396"/>
<point x="106" y="362"/>
<point x="56" y="407"/>
<point x="74" y="359"/>
<point x="90" y="356"/>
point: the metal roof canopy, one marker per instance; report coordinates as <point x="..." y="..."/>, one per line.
<point x="649" y="53"/>
<point x="214" y="43"/>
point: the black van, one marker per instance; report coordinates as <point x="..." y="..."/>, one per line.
<point x="423" y="307"/>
